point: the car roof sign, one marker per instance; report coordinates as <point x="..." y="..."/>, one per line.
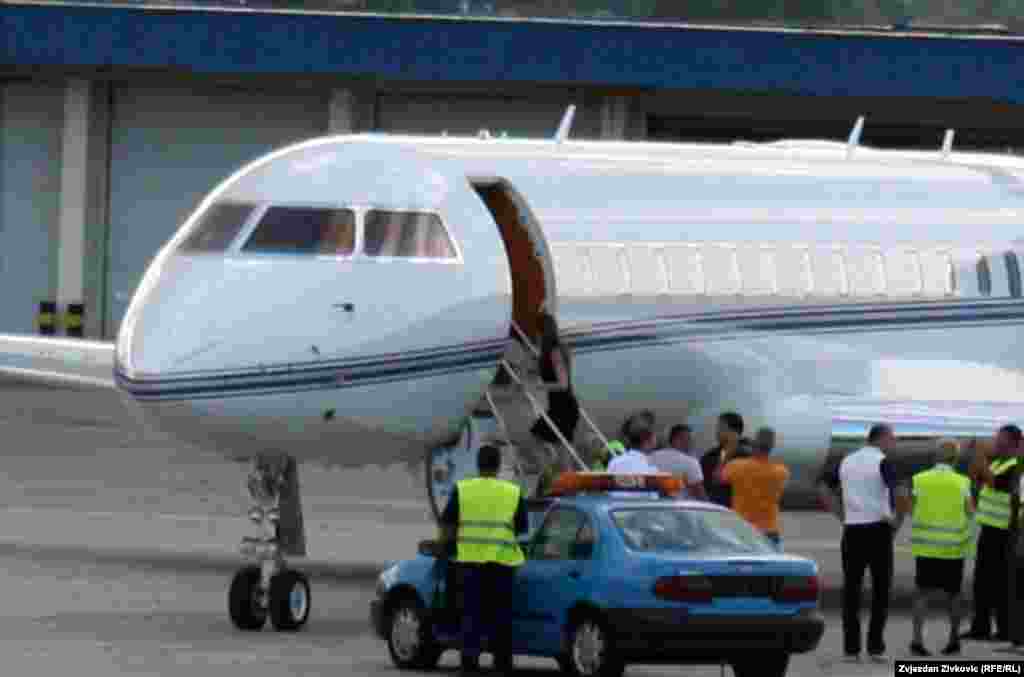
<point x="573" y="483"/>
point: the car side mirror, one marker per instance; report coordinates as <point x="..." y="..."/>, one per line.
<point x="431" y="548"/>
<point x="581" y="551"/>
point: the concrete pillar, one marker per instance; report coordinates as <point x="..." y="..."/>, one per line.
<point x="82" y="222"/>
<point x="614" y="117"/>
<point x="73" y="195"/>
<point x="351" y="110"/>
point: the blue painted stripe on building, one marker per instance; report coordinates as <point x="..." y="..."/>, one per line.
<point x="435" y="50"/>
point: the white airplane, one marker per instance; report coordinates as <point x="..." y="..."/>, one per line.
<point x="349" y="298"/>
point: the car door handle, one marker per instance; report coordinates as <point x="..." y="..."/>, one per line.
<point x="574" y="574"/>
<point x="347" y="307"/>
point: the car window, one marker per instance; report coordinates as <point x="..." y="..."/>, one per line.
<point x="688" y="530"/>
<point x="218" y="227"/>
<point x="561" y="531"/>
<point x="406" y="234"/>
<point x="304" y="230"/>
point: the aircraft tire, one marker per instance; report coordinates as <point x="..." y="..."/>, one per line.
<point x="290" y="601"/>
<point x="243" y="600"/>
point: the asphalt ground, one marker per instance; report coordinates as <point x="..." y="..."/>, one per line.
<point x="81" y="474"/>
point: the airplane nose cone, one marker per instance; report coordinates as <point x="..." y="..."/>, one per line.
<point x="171" y="325"/>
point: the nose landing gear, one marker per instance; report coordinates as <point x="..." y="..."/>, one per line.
<point x="268" y="588"/>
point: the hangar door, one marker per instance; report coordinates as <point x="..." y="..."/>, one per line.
<point x="461" y="115"/>
<point x="31" y="127"/>
<point x="170" y="147"/>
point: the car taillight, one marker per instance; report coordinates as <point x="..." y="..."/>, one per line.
<point x="696" y="589"/>
<point x="797" y="589"/>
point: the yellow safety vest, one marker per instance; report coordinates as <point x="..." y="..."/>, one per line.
<point x="487" y="509"/>
<point x="940" y="525"/>
<point x="994" y="506"/>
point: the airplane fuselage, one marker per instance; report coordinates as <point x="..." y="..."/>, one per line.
<point x="809" y="291"/>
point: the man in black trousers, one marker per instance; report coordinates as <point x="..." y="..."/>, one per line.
<point x="868" y="485"/>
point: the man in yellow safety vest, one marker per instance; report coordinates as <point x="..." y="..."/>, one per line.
<point x="486" y="515"/>
<point x="939" y="539"/>
<point x="996" y="475"/>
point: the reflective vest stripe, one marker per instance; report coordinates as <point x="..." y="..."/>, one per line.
<point x="935" y="527"/>
<point x="489" y="541"/>
<point x="993" y="505"/>
<point x="487" y="524"/>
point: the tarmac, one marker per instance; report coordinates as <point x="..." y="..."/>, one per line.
<point x="81" y="474"/>
<point x="117" y="546"/>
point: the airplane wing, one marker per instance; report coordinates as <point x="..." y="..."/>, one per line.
<point x="852" y="416"/>
<point x="70" y="363"/>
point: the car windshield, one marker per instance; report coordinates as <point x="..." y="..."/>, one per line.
<point x="690" y="531"/>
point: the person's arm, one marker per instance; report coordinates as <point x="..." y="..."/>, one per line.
<point x="695" y="483"/>
<point x="902" y="503"/>
<point x="522" y="518"/>
<point x="450" y="517"/>
<point x="979" y="470"/>
<point x="561" y="373"/>
<point x="828" y="489"/>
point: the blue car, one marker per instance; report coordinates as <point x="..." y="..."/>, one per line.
<point x="612" y="580"/>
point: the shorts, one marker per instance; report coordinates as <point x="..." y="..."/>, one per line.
<point x="934" y="573"/>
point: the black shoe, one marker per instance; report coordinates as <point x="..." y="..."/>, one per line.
<point x="918" y="649"/>
<point x="953" y="648"/>
<point x="976" y="636"/>
<point x="470" y="668"/>
<point x="1002" y="637"/>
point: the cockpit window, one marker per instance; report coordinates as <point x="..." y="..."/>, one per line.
<point x="406" y="234"/>
<point x="304" y="230"/>
<point x="218" y="227"/>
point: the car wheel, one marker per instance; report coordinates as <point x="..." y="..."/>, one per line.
<point x="771" y="665"/>
<point x="590" y="651"/>
<point x="410" y="639"/>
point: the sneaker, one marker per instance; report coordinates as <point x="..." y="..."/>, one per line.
<point x="953" y="648"/>
<point x="879" y="658"/>
<point x="918" y="649"/>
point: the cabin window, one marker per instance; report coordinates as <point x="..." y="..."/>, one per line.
<point x="418" y="235"/>
<point x="757" y="270"/>
<point x="721" y="270"/>
<point x="1013" y="272"/>
<point x="828" y="271"/>
<point x="304" y="230"/>
<point x="218" y="227"/>
<point x="646" y="271"/>
<point x="902" y="272"/>
<point x="571" y="269"/>
<point x="607" y="266"/>
<point x="984" y="276"/>
<point x="865" y="272"/>
<point x="793" y="271"/>
<point x="938" y="275"/>
<point x="685" y="269"/>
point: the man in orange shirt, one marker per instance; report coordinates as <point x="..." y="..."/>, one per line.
<point x="757" y="483"/>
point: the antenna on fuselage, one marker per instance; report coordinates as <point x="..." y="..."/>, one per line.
<point x="565" y="125"/>
<point x="947" y="143"/>
<point x="854" y="140"/>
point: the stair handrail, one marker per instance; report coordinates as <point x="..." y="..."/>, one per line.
<point x="504" y="429"/>
<point x="583" y="412"/>
<point x="544" y="415"/>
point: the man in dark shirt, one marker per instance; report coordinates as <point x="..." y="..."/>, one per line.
<point x="730" y="445"/>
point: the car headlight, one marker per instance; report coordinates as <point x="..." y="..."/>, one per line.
<point x="386" y="579"/>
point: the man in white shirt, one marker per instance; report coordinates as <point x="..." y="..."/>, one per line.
<point x="641" y="440"/>
<point x="674" y="460"/>
<point x="868" y="486"/>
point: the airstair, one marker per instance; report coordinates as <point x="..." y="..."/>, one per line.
<point x="504" y="416"/>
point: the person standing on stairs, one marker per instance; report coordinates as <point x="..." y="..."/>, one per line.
<point x="563" y="408"/>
